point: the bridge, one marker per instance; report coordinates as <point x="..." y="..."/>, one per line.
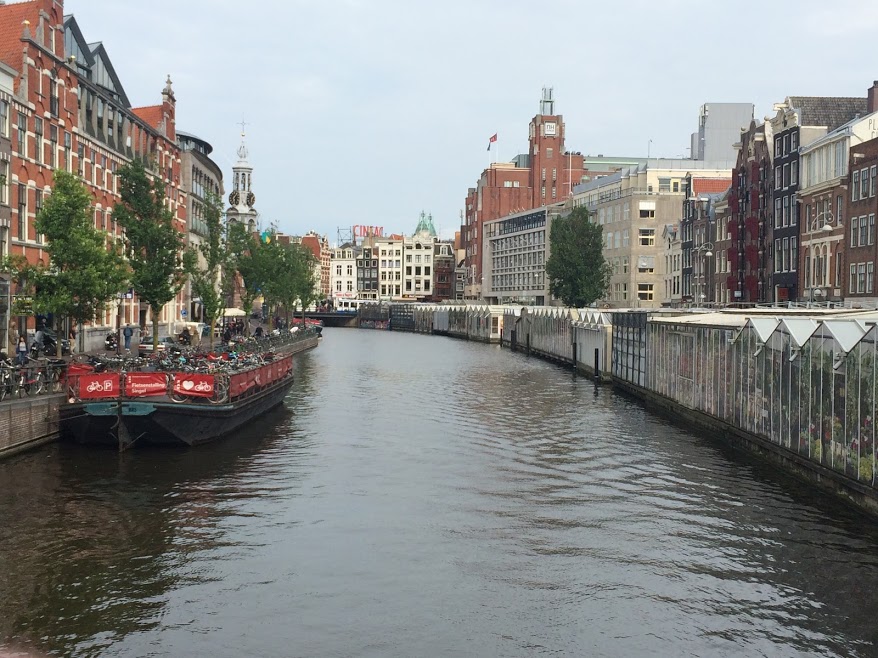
<point x="334" y="319"/>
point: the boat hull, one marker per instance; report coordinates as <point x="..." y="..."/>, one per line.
<point x="127" y="423"/>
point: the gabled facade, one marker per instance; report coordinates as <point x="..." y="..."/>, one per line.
<point x="824" y="178"/>
<point x="798" y="121"/>
<point x="748" y="281"/>
<point x="69" y="111"/>
<point x="343" y="273"/>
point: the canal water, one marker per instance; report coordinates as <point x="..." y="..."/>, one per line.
<point x="422" y="496"/>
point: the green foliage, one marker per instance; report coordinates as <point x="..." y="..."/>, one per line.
<point x="293" y="278"/>
<point x="578" y="274"/>
<point x="85" y="269"/>
<point x="153" y="244"/>
<point x="206" y="263"/>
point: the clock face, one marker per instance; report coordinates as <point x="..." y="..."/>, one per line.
<point x="251" y="199"/>
<point x="234" y="198"/>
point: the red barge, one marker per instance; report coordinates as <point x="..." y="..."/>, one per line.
<point x="123" y="409"/>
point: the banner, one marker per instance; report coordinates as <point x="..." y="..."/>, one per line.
<point x="99" y="385"/>
<point x="200" y="386"/>
<point x="141" y="384"/>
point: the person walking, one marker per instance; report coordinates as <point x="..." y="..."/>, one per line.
<point x="127" y="333"/>
<point x="21" y="350"/>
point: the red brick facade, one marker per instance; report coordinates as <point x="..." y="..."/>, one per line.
<point x="62" y="119"/>
<point x="859" y="243"/>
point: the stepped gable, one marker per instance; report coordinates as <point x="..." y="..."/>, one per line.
<point x="11" y="28"/>
<point x="829" y="111"/>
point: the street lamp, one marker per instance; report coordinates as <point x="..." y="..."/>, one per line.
<point x="822" y="222"/>
<point x="702" y="251"/>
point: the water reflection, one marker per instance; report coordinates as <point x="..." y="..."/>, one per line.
<point x="425" y="496"/>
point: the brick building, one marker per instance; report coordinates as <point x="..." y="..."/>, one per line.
<point x="545" y="175"/>
<point x="697" y="235"/>
<point x="830" y="180"/>
<point x="862" y="207"/>
<point x="444" y="264"/>
<point x="69" y="111"/>
<point x="749" y="198"/>
<point x="798" y="121"/>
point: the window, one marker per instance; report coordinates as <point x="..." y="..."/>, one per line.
<point x="554" y="173"/>
<point x="675" y="186"/>
<point x="624" y="264"/>
<point x="778" y="177"/>
<point x="794" y="254"/>
<point x="4" y="118"/>
<point x="4" y="182"/>
<point x="871" y="236"/>
<point x="777" y="147"/>
<point x="68" y="151"/>
<point x="786" y="144"/>
<point x="861" y="277"/>
<point x="785" y="255"/>
<point x="38" y="131"/>
<point x="872" y="174"/>
<point x="786" y="175"/>
<point x="53" y="95"/>
<point x="852" y="284"/>
<point x="625" y="238"/>
<point x="53" y="142"/>
<point x="647" y="214"/>
<point x="664" y="184"/>
<point x="838" y="208"/>
<point x="870" y="272"/>
<point x="855" y="187"/>
<point x="544" y="173"/>
<point x="776" y="252"/>
<point x="786" y="211"/>
<point x="644" y="292"/>
<point x="855" y="222"/>
<point x="647" y="237"/>
<point x="22" y="133"/>
<point x="22" y="212"/>
<point x="777" y="212"/>
<point x="794" y="172"/>
<point x="548" y="154"/>
<point x="864" y="229"/>
<point x="864" y="183"/>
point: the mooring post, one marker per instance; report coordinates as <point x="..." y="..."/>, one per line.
<point x="597" y="364"/>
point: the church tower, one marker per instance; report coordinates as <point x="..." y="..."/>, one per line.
<point x="241" y="198"/>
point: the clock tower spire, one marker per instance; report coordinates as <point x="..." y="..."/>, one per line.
<point x="241" y="198"/>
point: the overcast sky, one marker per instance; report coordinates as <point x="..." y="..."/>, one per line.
<point x="369" y="111"/>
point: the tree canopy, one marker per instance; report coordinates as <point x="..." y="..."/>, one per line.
<point x="578" y="274"/>
<point x="207" y="263"/>
<point x="85" y="269"/>
<point x="153" y="244"/>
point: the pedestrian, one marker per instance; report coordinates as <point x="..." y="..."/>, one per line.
<point x="39" y="339"/>
<point x="227" y="335"/>
<point x="127" y="333"/>
<point x="21" y="350"/>
<point x="72" y="340"/>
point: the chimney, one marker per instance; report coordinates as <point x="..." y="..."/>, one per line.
<point x="872" y="98"/>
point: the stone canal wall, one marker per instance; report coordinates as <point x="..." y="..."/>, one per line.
<point x="798" y="386"/>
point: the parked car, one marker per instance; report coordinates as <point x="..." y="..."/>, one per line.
<point x="166" y="344"/>
<point x="50" y="345"/>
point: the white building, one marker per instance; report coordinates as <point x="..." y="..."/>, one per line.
<point x="389" y="251"/>
<point x="343" y="273"/>
<point x="418" y="251"/>
<point x="516" y="249"/>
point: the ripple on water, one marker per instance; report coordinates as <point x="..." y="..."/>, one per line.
<point x="426" y="496"/>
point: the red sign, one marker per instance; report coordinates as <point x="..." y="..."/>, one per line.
<point x="99" y="385"/>
<point x="366" y="231"/>
<point x="140" y="384"/>
<point x="200" y="386"/>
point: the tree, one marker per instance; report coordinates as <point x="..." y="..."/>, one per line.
<point x="207" y="263"/>
<point x="85" y="270"/>
<point x="292" y="278"/>
<point x="153" y="244"/>
<point x="577" y="271"/>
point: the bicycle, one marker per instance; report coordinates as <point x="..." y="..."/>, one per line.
<point x="7" y="380"/>
<point x="29" y="380"/>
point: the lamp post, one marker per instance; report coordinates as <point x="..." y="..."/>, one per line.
<point x="702" y="251"/>
<point x="822" y="222"/>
